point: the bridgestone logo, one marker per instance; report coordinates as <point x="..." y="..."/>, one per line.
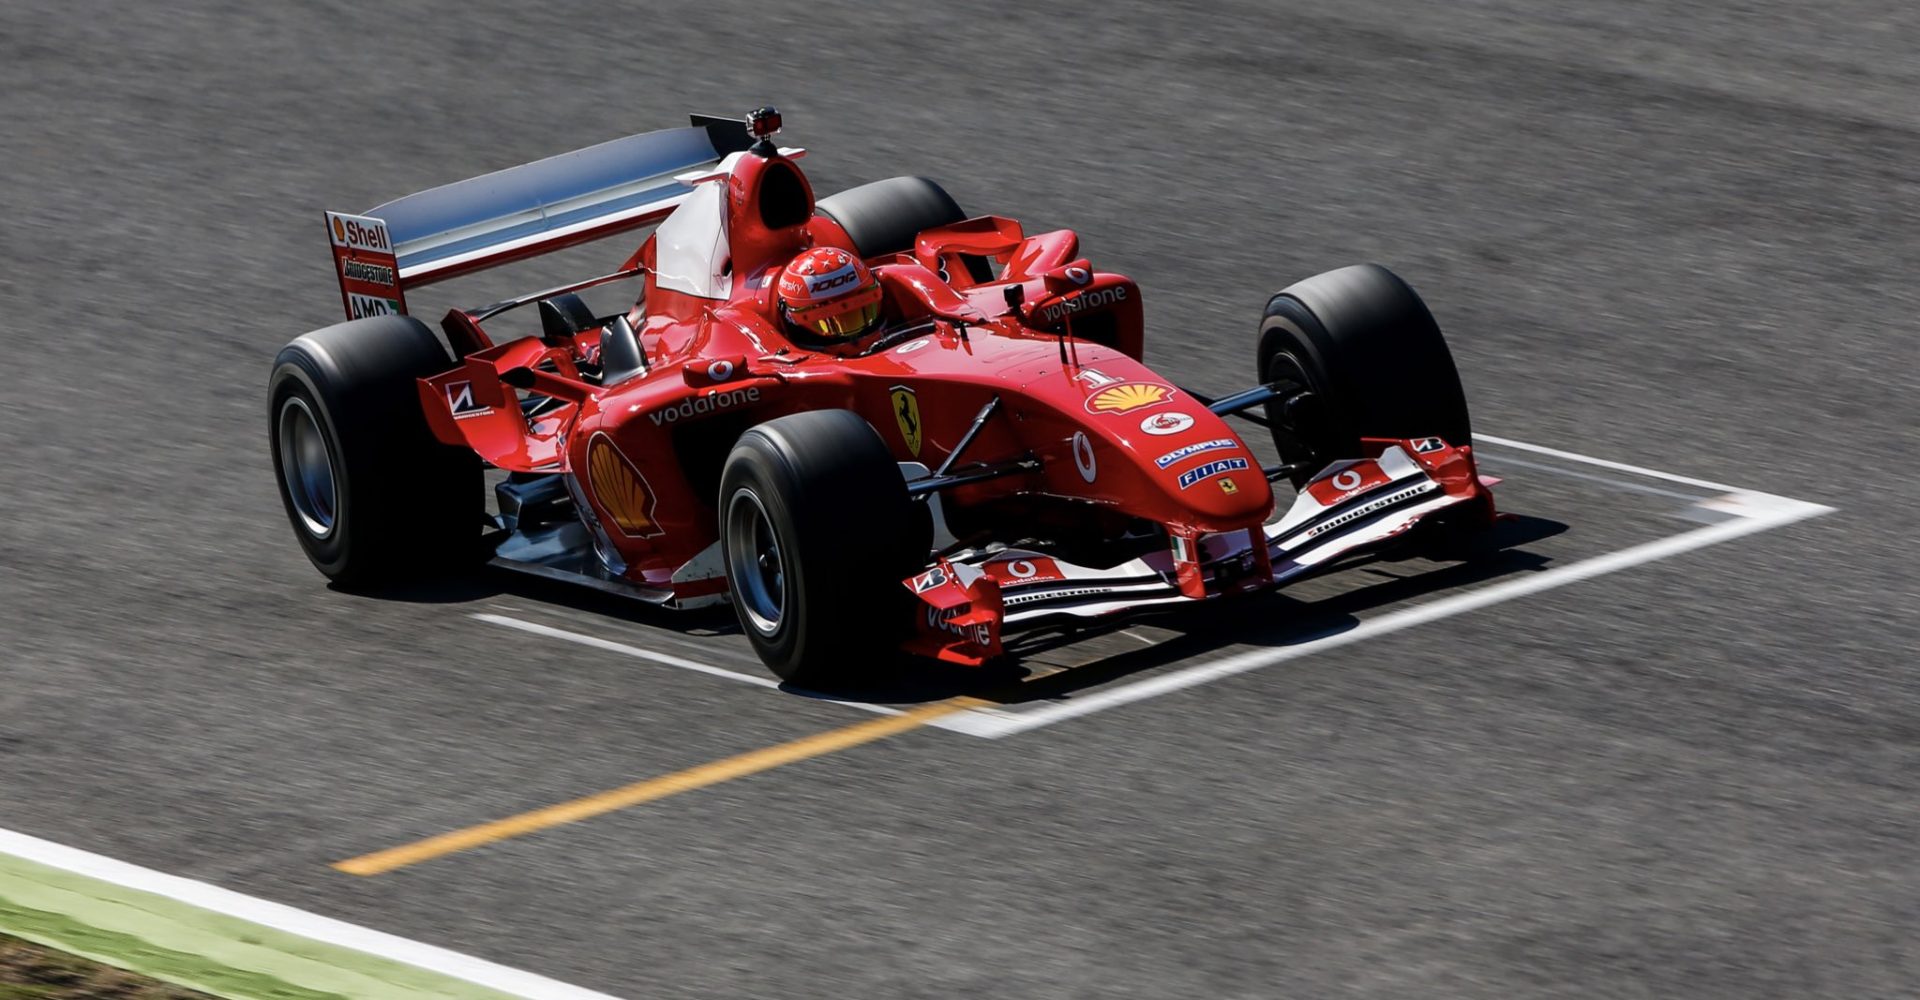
<point x="695" y="406"/>
<point x="1084" y="302"/>
<point x="359" y="271"/>
<point x="1367" y="508"/>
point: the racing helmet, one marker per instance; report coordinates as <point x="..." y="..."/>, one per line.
<point x="827" y="292"/>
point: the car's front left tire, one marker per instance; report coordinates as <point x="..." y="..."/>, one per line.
<point x="817" y="532"/>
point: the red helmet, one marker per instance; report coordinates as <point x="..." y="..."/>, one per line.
<point x="828" y="292"/>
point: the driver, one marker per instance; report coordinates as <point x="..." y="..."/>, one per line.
<point x="826" y="293"/>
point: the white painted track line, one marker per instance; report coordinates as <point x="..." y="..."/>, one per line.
<point x="637" y="652"/>
<point x="293" y="921"/>
<point x="1752" y="512"/>
<point x="1504" y="461"/>
<point x="970" y="722"/>
<point x="1603" y="463"/>
<point x="1767" y="512"/>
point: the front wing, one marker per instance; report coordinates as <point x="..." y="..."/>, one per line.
<point x="968" y="605"/>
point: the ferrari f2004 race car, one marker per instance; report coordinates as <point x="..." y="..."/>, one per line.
<point x="990" y="453"/>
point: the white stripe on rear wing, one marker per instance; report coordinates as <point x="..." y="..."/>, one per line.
<point x="546" y="205"/>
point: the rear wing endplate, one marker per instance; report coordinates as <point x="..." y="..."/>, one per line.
<point x="519" y="212"/>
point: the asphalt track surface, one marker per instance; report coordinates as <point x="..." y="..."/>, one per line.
<point x="1685" y="239"/>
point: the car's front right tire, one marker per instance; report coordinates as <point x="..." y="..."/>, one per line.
<point x="1356" y="354"/>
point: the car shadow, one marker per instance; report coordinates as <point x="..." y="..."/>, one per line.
<point x="1275" y="619"/>
<point x="1271" y="620"/>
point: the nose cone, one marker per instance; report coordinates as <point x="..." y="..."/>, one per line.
<point x="1114" y="431"/>
<point x="1198" y="466"/>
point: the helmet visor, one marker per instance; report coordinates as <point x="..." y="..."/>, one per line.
<point x="848" y="323"/>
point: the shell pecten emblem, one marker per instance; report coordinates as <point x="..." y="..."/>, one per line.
<point x="1128" y="396"/>
<point x="620" y="488"/>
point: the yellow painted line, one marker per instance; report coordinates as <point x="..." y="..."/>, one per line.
<point x="751" y="762"/>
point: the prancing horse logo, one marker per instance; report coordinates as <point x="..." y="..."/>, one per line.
<point x="906" y="410"/>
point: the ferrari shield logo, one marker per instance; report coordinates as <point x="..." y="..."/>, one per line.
<point x="906" y="411"/>
<point x="1228" y="486"/>
<point x="620" y="489"/>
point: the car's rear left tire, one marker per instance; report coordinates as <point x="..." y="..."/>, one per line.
<point x="817" y="532"/>
<point x="1356" y="354"/>
<point x="371" y="494"/>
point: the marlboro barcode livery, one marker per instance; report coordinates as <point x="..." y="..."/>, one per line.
<point x="873" y="423"/>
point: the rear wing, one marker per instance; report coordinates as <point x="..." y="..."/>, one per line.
<point x="519" y="212"/>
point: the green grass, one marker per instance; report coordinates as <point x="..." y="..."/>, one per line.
<point x="31" y="972"/>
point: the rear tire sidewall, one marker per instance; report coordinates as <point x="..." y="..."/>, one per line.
<point x="330" y="554"/>
<point x="406" y="505"/>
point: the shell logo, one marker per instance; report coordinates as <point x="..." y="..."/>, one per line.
<point x="621" y="490"/>
<point x="1128" y="396"/>
<point x="339" y="229"/>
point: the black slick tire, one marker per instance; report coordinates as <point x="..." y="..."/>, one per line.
<point x="817" y="532"/>
<point x="372" y="495"/>
<point x="1358" y="355"/>
<point x="885" y="216"/>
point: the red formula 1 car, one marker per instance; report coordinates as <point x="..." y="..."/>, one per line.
<point x="990" y="452"/>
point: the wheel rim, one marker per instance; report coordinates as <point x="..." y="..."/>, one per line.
<point x="1289" y="377"/>
<point x="755" y="569"/>
<point x="306" y="467"/>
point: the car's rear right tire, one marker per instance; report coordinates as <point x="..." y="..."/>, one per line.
<point x="885" y="217"/>
<point x="817" y="532"/>
<point x="1356" y="354"/>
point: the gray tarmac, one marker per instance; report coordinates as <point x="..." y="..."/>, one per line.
<point x="1684" y="238"/>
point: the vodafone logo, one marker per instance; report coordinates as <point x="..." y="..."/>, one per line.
<point x="720" y="371"/>
<point x="1083" y="457"/>
<point x="916" y="345"/>
<point x="1026" y="571"/>
<point x="1078" y="275"/>
<point x="1348" y="482"/>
